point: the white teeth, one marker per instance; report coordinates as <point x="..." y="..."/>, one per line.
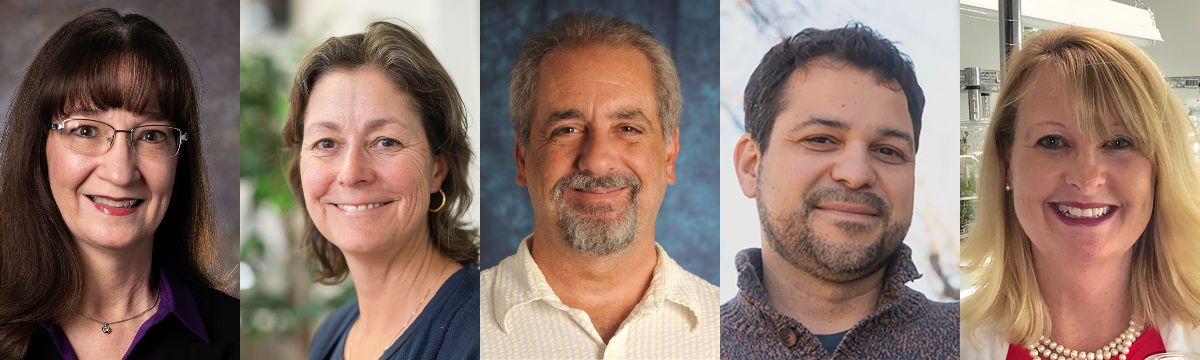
<point x="1074" y="212"/>
<point x="114" y="203"/>
<point x="357" y="208"/>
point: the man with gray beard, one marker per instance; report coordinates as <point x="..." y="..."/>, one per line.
<point x="595" y="108"/>
<point x="833" y="119"/>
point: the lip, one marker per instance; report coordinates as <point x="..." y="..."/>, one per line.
<point x="1083" y="221"/>
<point x="115" y="206"/>
<point x="354" y="208"/>
<point x="849" y="211"/>
<point x="599" y="194"/>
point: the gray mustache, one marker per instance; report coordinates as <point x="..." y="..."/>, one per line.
<point x="581" y="181"/>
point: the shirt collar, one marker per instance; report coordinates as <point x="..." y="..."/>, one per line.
<point x="900" y="270"/>
<point x="179" y="300"/>
<point x="528" y="284"/>
<point x="174" y="298"/>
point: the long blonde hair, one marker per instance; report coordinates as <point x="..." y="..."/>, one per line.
<point x="1108" y="77"/>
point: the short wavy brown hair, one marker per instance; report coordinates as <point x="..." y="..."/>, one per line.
<point x="403" y="56"/>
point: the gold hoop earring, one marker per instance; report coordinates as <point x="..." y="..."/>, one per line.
<point x="441" y="205"/>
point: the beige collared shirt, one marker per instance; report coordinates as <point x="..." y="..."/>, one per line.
<point x="520" y="317"/>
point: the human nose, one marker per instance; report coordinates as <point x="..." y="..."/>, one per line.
<point x="1086" y="173"/>
<point x="597" y="154"/>
<point x="119" y="163"/>
<point x="853" y="169"/>
<point x="355" y="168"/>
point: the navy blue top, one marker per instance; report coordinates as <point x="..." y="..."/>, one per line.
<point x="448" y="328"/>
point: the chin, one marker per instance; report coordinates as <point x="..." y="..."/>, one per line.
<point x="359" y="243"/>
<point x="110" y="241"/>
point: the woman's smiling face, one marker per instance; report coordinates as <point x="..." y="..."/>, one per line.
<point x="1076" y="197"/>
<point x="366" y="166"/>
<point x="115" y="198"/>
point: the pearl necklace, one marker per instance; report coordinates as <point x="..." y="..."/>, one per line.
<point x="1045" y="348"/>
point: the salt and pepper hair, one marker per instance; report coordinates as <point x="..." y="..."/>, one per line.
<point x="576" y="30"/>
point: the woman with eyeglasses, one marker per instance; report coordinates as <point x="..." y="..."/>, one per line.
<point x="107" y="248"/>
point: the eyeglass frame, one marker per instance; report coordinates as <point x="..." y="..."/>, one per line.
<point x="183" y="135"/>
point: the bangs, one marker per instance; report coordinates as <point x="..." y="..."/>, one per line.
<point x="126" y="69"/>
<point x="1109" y="96"/>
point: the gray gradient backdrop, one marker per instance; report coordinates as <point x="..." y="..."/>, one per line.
<point x="206" y="32"/>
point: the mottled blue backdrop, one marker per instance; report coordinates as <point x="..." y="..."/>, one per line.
<point x="688" y="222"/>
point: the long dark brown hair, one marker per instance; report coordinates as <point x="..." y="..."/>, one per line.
<point x="80" y="68"/>
<point x="409" y="64"/>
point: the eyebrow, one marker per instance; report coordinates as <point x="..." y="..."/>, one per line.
<point x="371" y="124"/>
<point x="632" y="113"/>
<point x="841" y="125"/>
<point x="898" y="134"/>
<point x="1029" y="130"/>
<point x="152" y="116"/>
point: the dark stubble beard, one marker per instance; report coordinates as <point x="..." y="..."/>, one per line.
<point x="833" y="260"/>
<point x="582" y="230"/>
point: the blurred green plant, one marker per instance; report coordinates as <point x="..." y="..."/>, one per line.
<point x="293" y="304"/>
<point x="966" y="188"/>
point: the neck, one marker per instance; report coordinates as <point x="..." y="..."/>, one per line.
<point x="116" y="284"/>
<point x="573" y="272"/>
<point x="390" y="283"/>
<point x="606" y="287"/>
<point x="821" y="306"/>
<point x="1089" y="302"/>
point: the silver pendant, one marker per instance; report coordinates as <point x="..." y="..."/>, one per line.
<point x="106" y="329"/>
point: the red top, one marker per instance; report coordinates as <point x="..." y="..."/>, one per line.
<point x="1149" y="343"/>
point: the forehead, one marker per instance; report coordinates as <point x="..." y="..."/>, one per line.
<point x="1051" y="98"/>
<point x="594" y="73"/>
<point x="826" y="89"/>
<point x="351" y="98"/>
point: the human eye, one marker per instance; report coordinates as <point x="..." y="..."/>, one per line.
<point x="152" y="135"/>
<point x="891" y="155"/>
<point x="629" y="129"/>
<point x="1051" y="142"/>
<point x="820" y="142"/>
<point x="1119" y="143"/>
<point x="83" y="129"/>
<point x="565" y="131"/>
<point x="387" y="144"/>
<point x="324" y="145"/>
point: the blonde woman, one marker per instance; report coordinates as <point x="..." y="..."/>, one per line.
<point x="1087" y="240"/>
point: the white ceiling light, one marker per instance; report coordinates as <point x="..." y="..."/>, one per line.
<point x="1131" y="22"/>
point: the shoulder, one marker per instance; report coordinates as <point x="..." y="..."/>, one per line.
<point x="704" y="290"/>
<point x="943" y="315"/>
<point x="332" y="327"/>
<point x="460" y="316"/>
<point x="462" y="308"/>
<point x="221" y="315"/>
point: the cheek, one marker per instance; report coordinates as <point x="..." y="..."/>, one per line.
<point x="65" y="169"/>
<point x="899" y="184"/>
<point x="160" y="177"/>
<point x="1136" y="182"/>
<point x="315" y="177"/>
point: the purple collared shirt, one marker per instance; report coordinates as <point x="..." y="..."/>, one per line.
<point x="174" y="299"/>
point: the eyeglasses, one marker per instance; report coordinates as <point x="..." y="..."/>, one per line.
<point x="92" y="137"/>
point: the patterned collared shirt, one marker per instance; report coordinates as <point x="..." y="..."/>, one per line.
<point x="904" y="325"/>
<point x="522" y="318"/>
